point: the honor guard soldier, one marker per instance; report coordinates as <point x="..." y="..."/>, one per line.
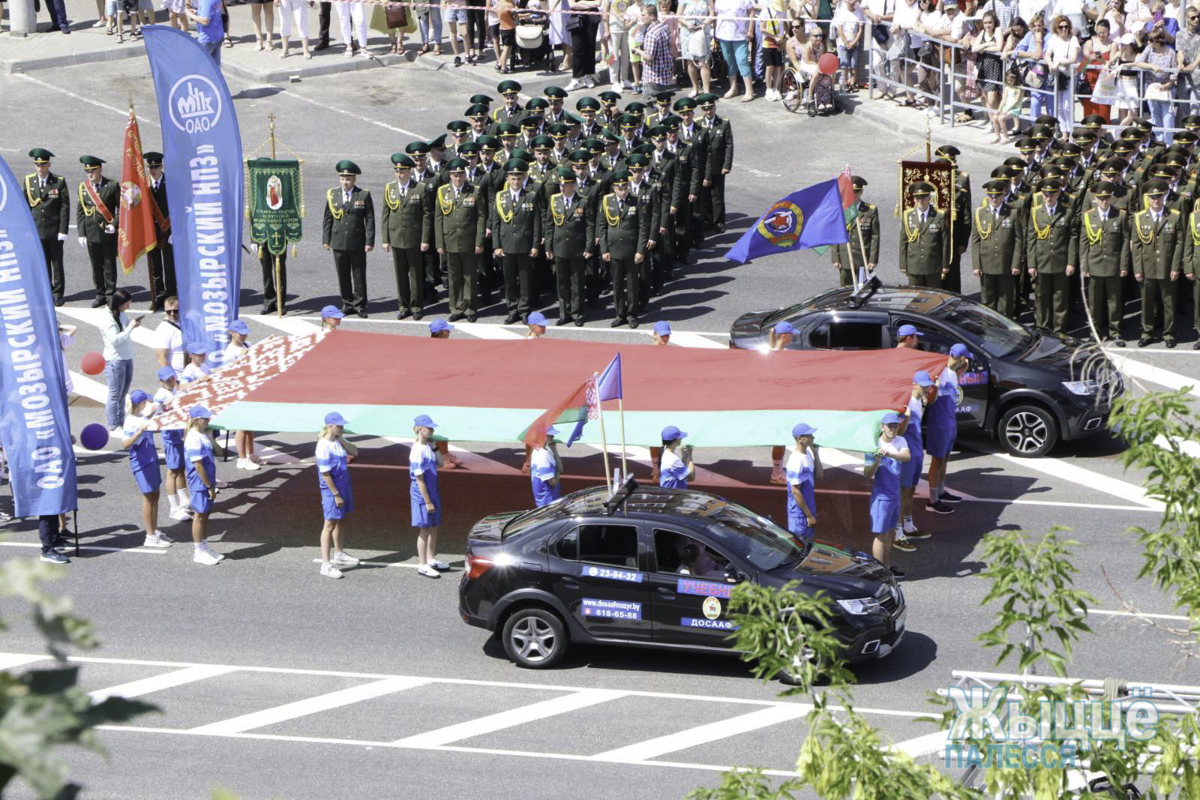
<point x="662" y="108"/>
<point x="694" y="150"/>
<point x="643" y="188"/>
<point x="460" y="129"/>
<point x="570" y="231"/>
<point x="424" y="173"/>
<point x="162" y="257"/>
<point x="720" y="161"/>
<point x="516" y="225"/>
<point x="531" y="127"/>
<point x="862" y="249"/>
<point x="96" y="225"/>
<point x="1048" y="251"/>
<point x="511" y="110"/>
<point x="477" y="115"/>
<point x="555" y="95"/>
<point x="542" y="168"/>
<point x="960" y="218"/>
<point x="1104" y="261"/>
<point x="406" y="230"/>
<point x="997" y="248"/>
<point x="624" y="231"/>
<point x="663" y="166"/>
<point x="925" y="244"/>
<point x="629" y="125"/>
<point x="459" y="224"/>
<point x="1156" y="254"/>
<point x="349" y="231"/>
<point x="560" y="146"/>
<point x="1191" y="267"/>
<point x="50" y="202"/>
<point x="608" y="107"/>
<point x="588" y="108"/>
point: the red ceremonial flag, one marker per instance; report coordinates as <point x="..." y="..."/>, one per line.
<point x="136" y="235"/>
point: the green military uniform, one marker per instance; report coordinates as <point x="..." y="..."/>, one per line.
<point x="570" y="230"/>
<point x="349" y="229"/>
<point x="1156" y="254"/>
<point x="162" y="257"/>
<point x="1191" y="268"/>
<point x="50" y="203"/>
<point x="720" y="161"/>
<point x="1104" y="259"/>
<point x="1048" y="248"/>
<point x="624" y="230"/>
<point x="96" y="226"/>
<point x="406" y="226"/>
<point x="648" y="193"/>
<point x="516" y="225"/>
<point x="459" y="224"/>
<point x="664" y="169"/>
<point x="924" y="247"/>
<point x="858" y="252"/>
<point x="997" y="249"/>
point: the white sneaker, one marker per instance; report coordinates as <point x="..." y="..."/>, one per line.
<point x="256" y="458"/>
<point x="205" y="547"/>
<point x="344" y="560"/>
<point x="249" y="465"/>
<point x="618" y="88"/>
<point x="573" y="85"/>
<point x="441" y="566"/>
<point x="624" y="85"/>
<point x="206" y="558"/>
<point x="241" y="463"/>
<point x="163" y="537"/>
<point x="428" y="571"/>
<point x="156" y="541"/>
<point x="180" y="514"/>
<point x="330" y="571"/>
<point x="589" y="81"/>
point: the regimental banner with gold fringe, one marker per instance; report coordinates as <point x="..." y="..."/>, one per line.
<point x="136" y="234"/>
<point x="940" y="176"/>
<point x="275" y="195"/>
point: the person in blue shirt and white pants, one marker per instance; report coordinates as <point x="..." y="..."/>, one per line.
<point x="545" y="471"/>
<point x="425" y="502"/>
<point x="675" y="465"/>
<point x="803" y="469"/>
<point x="202" y="482"/>
<point x="143" y="460"/>
<point x="884" y="466"/>
<point x="333" y="475"/>
<point x="942" y="429"/>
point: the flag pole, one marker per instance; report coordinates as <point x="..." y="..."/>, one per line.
<point x="279" y="257"/>
<point x="603" y="438"/>
<point x="621" y="412"/>
<point x="149" y="262"/>
<point x="861" y="243"/>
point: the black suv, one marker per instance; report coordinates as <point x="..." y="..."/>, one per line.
<point x="1027" y="388"/>
<point x="655" y="567"/>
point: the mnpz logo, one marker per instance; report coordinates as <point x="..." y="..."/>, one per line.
<point x="195" y="104"/>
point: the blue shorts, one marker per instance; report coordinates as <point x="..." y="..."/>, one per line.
<point x="884" y="513"/>
<point x="424" y="516"/>
<point x="148" y="480"/>
<point x="939" y="441"/>
<point x="330" y="508"/>
<point x="173" y="454"/>
<point x="798" y="525"/>
<point x="201" y="502"/>
<point x="910" y="471"/>
<point x="455" y="14"/>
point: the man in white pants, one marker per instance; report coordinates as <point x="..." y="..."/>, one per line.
<point x="351" y="13"/>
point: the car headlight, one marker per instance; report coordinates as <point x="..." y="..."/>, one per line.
<point x="861" y="605"/>
<point x="1081" y="387"/>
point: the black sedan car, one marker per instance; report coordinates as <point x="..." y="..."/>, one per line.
<point x="655" y="567"/>
<point x="1027" y="388"/>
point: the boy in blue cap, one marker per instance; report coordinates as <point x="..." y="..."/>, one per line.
<point x="910" y="474"/>
<point x="884" y="466"/>
<point x="331" y="318"/>
<point x="907" y="335"/>
<point x="803" y="469"/>
<point x="537" y="325"/>
<point x="943" y="429"/>
<point x="177" y="492"/>
<point x="674" y="472"/>
<point x="545" y="469"/>
<point x="662" y="333"/>
<point x="440" y="329"/>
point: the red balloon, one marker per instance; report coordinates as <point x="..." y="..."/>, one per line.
<point x="93" y="364"/>
<point x="827" y="64"/>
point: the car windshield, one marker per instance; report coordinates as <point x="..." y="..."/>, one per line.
<point x="998" y="335"/>
<point x="756" y="539"/>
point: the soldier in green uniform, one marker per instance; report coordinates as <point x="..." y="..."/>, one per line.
<point x="629" y="125"/>
<point x="1104" y="260"/>
<point x="648" y="193"/>
<point x="1156" y="254"/>
<point x="349" y="231"/>
<point x="1048" y="250"/>
<point x="511" y="110"/>
<point x="997" y="248"/>
<point x="720" y="162"/>
<point x="516" y="225"/>
<point x="624" y="230"/>
<point x="960" y="218"/>
<point x="570" y="228"/>
<point x="1191" y="267"/>
<point x="50" y="202"/>
<point x="663" y="172"/>
<point x="406" y="231"/>
<point x="542" y="168"/>
<point x="162" y="257"/>
<point x="477" y="115"/>
<point x="459" y="224"/>
<point x="588" y="107"/>
<point x="862" y="232"/>
<point x="694" y="137"/>
<point x="96" y="225"/>
<point x="925" y="243"/>
<point x="608" y="107"/>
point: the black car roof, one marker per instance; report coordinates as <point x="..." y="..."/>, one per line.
<point x="913" y="300"/>
<point x="646" y="500"/>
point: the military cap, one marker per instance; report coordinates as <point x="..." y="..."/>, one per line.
<point x="949" y="151"/>
<point x="1052" y="171"/>
<point x="1040" y="132"/>
<point x="580" y="156"/>
<point x="542" y="142"/>
<point x="1163" y="171"/>
<point x="996" y="187"/>
<point x="437" y="143"/>
<point x="488" y="142"/>
<point x="1176" y="160"/>
<point x="1131" y="133"/>
<point x="1068" y="163"/>
<point x="1113" y="166"/>
<point x="347" y="167"/>
<point x="636" y="107"/>
<point x="417" y="148"/>
<point x="571" y="118"/>
<point x="1123" y="146"/>
<point x="657" y="132"/>
<point x="555" y="92"/>
<point x="153" y="159"/>
<point x="620" y="177"/>
<point x="1085" y="135"/>
<point x="609" y="138"/>
<point x="40" y="155"/>
<point x="1047" y="119"/>
<point x="1094" y="121"/>
<point x="477" y="110"/>
<point x="1001" y="172"/>
<point x="1051" y="185"/>
<point x="458" y="126"/>
<point x="921" y="189"/>
<point x="609" y="98"/>
<point x="671" y="123"/>
<point x="537" y="104"/>
<point x="469" y="148"/>
<point x="1026" y="143"/>
<point x="663" y="96"/>
<point x="628" y="121"/>
<point x="858" y="182"/>
<point x="1071" y="149"/>
<point x="587" y="103"/>
<point x="644" y="149"/>
<point x="1016" y="161"/>
<point x="401" y="160"/>
<point x="1191" y="121"/>
<point x="637" y="161"/>
<point x="507" y="129"/>
<point x="596" y="144"/>
<point x="559" y="129"/>
<point x="1186" y="137"/>
<point x="1155" y="188"/>
<point x="532" y="121"/>
<point x="90" y="162"/>
<point x="457" y="165"/>
<point x="685" y="104"/>
<point x="516" y="166"/>
<point x="1145" y="123"/>
<point x="480" y="99"/>
<point x="1104" y="189"/>
<point x="522" y="154"/>
<point x="565" y="175"/>
<point x="508" y="87"/>
<point x="706" y="99"/>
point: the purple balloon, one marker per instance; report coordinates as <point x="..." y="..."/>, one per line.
<point x="94" y="436"/>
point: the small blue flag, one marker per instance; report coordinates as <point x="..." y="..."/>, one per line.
<point x="807" y="218"/>
<point x="610" y="380"/>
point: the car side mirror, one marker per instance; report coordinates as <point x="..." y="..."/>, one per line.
<point x="733" y="574"/>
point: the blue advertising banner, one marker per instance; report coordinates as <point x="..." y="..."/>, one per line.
<point x="35" y="427"/>
<point x="202" y="155"/>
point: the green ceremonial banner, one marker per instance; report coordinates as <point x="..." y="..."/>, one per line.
<point x="274" y="195"/>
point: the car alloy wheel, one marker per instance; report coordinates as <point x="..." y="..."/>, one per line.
<point x="1028" y="431"/>
<point x="534" y="638"/>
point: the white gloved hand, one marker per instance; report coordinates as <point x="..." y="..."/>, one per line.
<point x="83" y="241"/>
<point x="171" y="239"/>
<point x="109" y="229"/>
<point x="62" y="237"/>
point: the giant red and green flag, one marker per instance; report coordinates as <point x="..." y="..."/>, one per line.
<point x="482" y="390"/>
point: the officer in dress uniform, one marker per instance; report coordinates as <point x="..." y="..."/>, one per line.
<point x="925" y="243"/>
<point x="96" y="224"/>
<point x="1156" y="254"/>
<point x="162" y="257"/>
<point x="663" y="171"/>
<point x="624" y="230"/>
<point x="477" y="115"/>
<point x="695" y="137"/>
<point x="850" y="256"/>
<point x="1104" y="260"/>
<point x="349" y="231"/>
<point x="50" y="202"/>
<point x="997" y="247"/>
<point x="516" y="225"/>
<point x="720" y="161"/>
<point x="555" y="95"/>
<point x="648" y="193"/>
<point x="570" y="228"/>
<point x="961" y="218"/>
<point x="1048" y="252"/>
<point x="588" y="108"/>
<point x="459" y="224"/>
<point x="406" y="226"/>
<point x="1191" y="267"/>
<point x="511" y="110"/>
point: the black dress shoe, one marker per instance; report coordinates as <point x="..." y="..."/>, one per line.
<point x="361" y="313"/>
<point x="418" y="315"/>
<point x="322" y="44"/>
<point x="511" y="319"/>
<point x="633" y="322"/>
<point x="1144" y="341"/>
<point x="98" y="302"/>
<point x="1196" y="345"/>
<point x="402" y="314"/>
<point x="579" y="324"/>
<point x="616" y="323"/>
<point x="1119" y="342"/>
<point x="1170" y="344"/>
<point x="562" y="321"/>
<point x="58" y="300"/>
<point x="471" y="317"/>
<point x="456" y="317"/>
<point x="267" y="310"/>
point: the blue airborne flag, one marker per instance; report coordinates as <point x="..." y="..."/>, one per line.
<point x="807" y="218"/>
<point x="35" y="427"/>
<point x="202" y="150"/>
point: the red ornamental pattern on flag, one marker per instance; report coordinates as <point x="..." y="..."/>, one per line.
<point x="136" y="234"/>
<point x="592" y="395"/>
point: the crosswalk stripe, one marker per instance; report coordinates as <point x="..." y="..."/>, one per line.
<point x="1149" y="372"/>
<point x="87" y="387"/>
<point x="1086" y="477"/>
<point x="703" y="734"/>
<point x="98" y="317"/>
<point x="10" y="661"/>
<point x="510" y="719"/>
<point x="481" y="331"/>
<point x="309" y="705"/>
<point x="289" y="325"/>
<point x="157" y="683"/>
<point x="694" y="340"/>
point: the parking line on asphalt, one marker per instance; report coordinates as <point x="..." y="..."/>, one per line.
<point x="704" y="734"/>
<point x="510" y="719"/>
<point x="925" y="745"/>
<point x="23" y="76"/>
<point x="1136" y="614"/>
<point x="148" y="550"/>
<point x="1149" y="372"/>
<point x="157" y="683"/>
<point x="1086" y="477"/>
<point x="10" y="661"/>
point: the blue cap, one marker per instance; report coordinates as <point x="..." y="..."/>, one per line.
<point x="960" y="351"/>
<point x="922" y="378"/>
<point x="803" y="429"/>
<point x="423" y="421"/>
<point x="198" y="412"/>
<point x="331" y="312"/>
<point x="197" y="348"/>
<point x="551" y="431"/>
<point x="662" y="329"/>
<point x="537" y="318"/>
<point x="138" y="396"/>
<point x="165" y="373"/>
<point x="908" y="330"/>
<point x="240" y="326"/>
<point x="439" y="325"/>
<point x="334" y="418"/>
<point x="784" y="327"/>
<point x="671" y="433"/>
<point x="892" y="418"/>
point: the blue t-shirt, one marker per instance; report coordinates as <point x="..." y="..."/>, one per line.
<point x="943" y="412"/>
<point x="331" y="457"/>
<point x="672" y="473"/>
<point x="422" y="461"/>
<point x="198" y="447"/>
<point x="887" y="477"/>
<point x="214" y="31"/>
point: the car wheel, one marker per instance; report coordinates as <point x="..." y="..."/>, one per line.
<point x="534" y="638"/>
<point x="791" y="677"/>
<point x="1028" y="431"/>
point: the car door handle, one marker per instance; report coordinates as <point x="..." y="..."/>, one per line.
<point x="667" y="593"/>
<point x="570" y="584"/>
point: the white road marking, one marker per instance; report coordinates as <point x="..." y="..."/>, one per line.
<point x="289" y="325"/>
<point x="147" y="550"/>
<point x="1188" y="448"/>
<point x="510" y="719"/>
<point x="1086" y="477"/>
<point x="703" y="734"/>
<point x="157" y="683"/>
<point x="10" y="661"/>
<point x="1148" y="372"/>
<point x="326" y="107"/>
<point x="482" y="331"/>
<point x="685" y="339"/>
<point x="123" y="112"/>
<point x="87" y="387"/>
<point x="1135" y="614"/>
<point x="309" y="705"/>
<point x="98" y="317"/>
<point x="925" y="745"/>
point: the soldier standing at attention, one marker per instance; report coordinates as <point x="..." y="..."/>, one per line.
<point x="624" y="231"/>
<point x="349" y="231"/>
<point x="997" y="247"/>
<point x="162" y="257"/>
<point x="1156" y="252"/>
<point x="720" y="160"/>
<point x="1104" y="261"/>
<point x="848" y="257"/>
<point x="96" y="224"/>
<point x="1191" y="268"/>
<point x="459" y="224"/>
<point x="50" y="202"/>
<point x="925" y="245"/>
<point x="406" y="226"/>
<point x="1048" y="249"/>
<point x="960" y="216"/>
<point x="511" y="110"/>
<point x="570" y="229"/>
<point x="516" y="225"/>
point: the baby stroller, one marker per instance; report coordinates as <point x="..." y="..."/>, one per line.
<point x="533" y="35"/>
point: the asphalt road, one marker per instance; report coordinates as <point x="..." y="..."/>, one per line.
<point x="371" y="686"/>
